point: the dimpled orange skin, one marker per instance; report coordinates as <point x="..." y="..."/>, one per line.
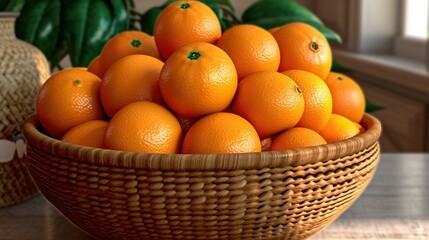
<point x="251" y="48"/>
<point x="270" y="101"/>
<point x="184" y="22"/>
<point x="125" y="44"/>
<point x="90" y="134"/>
<point x="338" y="128"/>
<point x="347" y="96"/>
<point x="297" y="137"/>
<point x="131" y="79"/>
<point x="303" y="47"/>
<point x="144" y="127"/>
<point x="317" y="98"/>
<point x="68" y="98"/>
<point x="221" y="133"/>
<point x="198" y="79"/>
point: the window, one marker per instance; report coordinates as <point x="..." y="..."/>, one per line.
<point x="416" y="23"/>
<point x="412" y="42"/>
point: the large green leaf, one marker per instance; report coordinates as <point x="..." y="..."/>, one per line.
<point x="89" y="24"/>
<point x="274" y="13"/>
<point x="11" y="5"/>
<point x="119" y="12"/>
<point x="39" y="24"/>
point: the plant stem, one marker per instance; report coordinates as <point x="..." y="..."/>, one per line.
<point x="229" y="13"/>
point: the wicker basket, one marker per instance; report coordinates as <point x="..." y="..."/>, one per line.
<point x="271" y="195"/>
<point x="23" y="69"/>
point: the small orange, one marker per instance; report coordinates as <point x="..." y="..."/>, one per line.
<point x="338" y="128"/>
<point x="317" y="98"/>
<point x="131" y="79"/>
<point x="273" y="30"/>
<point x="144" y="127"/>
<point x="184" y="22"/>
<point x="361" y="129"/>
<point x="221" y="133"/>
<point x="96" y="67"/>
<point x="251" y="48"/>
<point x="125" y="44"/>
<point x="347" y="96"/>
<point x="68" y="98"/>
<point x="303" y="47"/>
<point x="198" y="79"/>
<point x="270" y="101"/>
<point x="90" y="134"/>
<point x="297" y="137"/>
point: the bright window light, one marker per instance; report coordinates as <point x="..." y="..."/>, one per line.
<point x="416" y="18"/>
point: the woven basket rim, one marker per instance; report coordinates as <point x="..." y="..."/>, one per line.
<point x="209" y="162"/>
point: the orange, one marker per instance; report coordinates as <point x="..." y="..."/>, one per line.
<point x="131" y="79"/>
<point x="90" y="134"/>
<point x="251" y="48"/>
<point x="96" y="67"/>
<point x="317" y="98"/>
<point x="297" y="137"/>
<point x="144" y="127"/>
<point x="221" y="133"/>
<point x="270" y="101"/>
<point x="184" y="22"/>
<point x="361" y="129"/>
<point x="338" y="128"/>
<point x="273" y="30"/>
<point x="198" y="79"/>
<point x="68" y="98"/>
<point x="125" y="44"/>
<point x="303" y="47"/>
<point x="347" y="96"/>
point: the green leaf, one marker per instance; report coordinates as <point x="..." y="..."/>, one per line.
<point x="61" y="50"/>
<point x="89" y="24"/>
<point x="227" y="3"/>
<point x="148" y="19"/>
<point x="39" y="23"/>
<point x="119" y="13"/>
<point x="274" y="13"/>
<point x="337" y="67"/>
<point x="371" y="107"/>
<point x="11" y="5"/>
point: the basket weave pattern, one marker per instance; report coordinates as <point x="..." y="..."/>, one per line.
<point x="23" y="69"/>
<point x="273" y="195"/>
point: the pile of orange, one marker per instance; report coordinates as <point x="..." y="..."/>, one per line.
<point x="193" y="89"/>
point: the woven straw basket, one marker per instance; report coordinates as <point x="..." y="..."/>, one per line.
<point x="23" y="69"/>
<point x="271" y="195"/>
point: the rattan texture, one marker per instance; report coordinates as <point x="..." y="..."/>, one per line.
<point x="23" y="69"/>
<point x="271" y="195"/>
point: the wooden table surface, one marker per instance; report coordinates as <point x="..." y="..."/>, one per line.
<point x="394" y="206"/>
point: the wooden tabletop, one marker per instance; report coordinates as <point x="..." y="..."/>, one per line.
<point x="394" y="206"/>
